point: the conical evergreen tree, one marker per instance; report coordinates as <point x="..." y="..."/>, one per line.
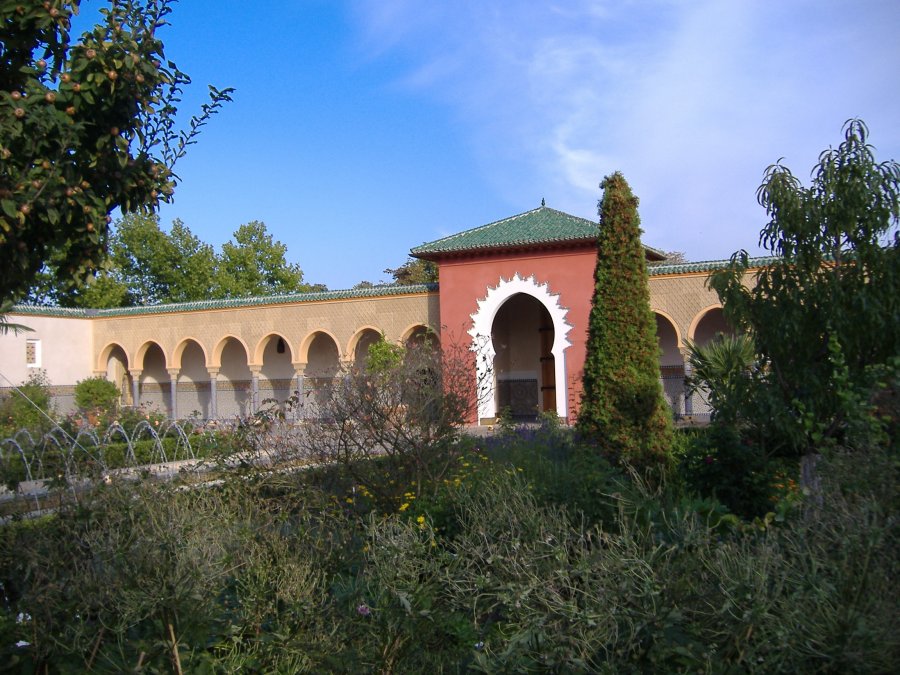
<point x="622" y="409"/>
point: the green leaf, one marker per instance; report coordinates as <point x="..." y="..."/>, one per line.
<point x="9" y="208"/>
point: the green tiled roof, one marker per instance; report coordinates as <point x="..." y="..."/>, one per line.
<point x="704" y="266"/>
<point x="540" y="226"/>
<point x="372" y="292"/>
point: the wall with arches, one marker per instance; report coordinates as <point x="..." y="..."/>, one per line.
<point x="222" y="358"/>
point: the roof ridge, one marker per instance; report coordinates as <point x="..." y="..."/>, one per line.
<point x="481" y="227"/>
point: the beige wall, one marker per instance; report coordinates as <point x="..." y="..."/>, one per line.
<point x="684" y="300"/>
<point x="65" y="344"/>
<point x="296" y="323"/>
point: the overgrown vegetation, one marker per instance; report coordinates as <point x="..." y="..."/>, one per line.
<point x="30" y="407"/>
<point x="495" y="570"/>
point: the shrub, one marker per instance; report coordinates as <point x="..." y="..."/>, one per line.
<point x="407" y="416"/>
<point x="96" y="394"/>
<point x="28" y="406"/>
<point x="720" y="463"/>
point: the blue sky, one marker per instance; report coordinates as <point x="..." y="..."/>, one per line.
<point x="363" y="128"/>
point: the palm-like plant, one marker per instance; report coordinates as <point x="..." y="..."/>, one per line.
<point x="720" y="371"/>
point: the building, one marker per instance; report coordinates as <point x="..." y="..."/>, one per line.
<point x="516" y="292"/>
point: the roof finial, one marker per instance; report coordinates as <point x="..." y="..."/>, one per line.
<point x="543" y="203"/>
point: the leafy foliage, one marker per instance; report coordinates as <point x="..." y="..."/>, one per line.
<point x="721" y="370"/>
<point x="414" y="271"/>
<point x="148" y="265"/>
<point x="825" y="317"/>
<point x="86" y="126"/>
<point x="254" y="264"/>
<point x="622" y="409"/>
<point x="268" y="571"/>
<point x="96" y="394"/>
<point x="28" y="406"/>
<point x="384" y="357"/>
<point x="720" y="464"/>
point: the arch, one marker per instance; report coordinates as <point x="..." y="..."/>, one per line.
<point x="103" y="357"/>
<point x="155" y="381"/>
<point x="322" y="356"/>
<point x="178" y="352"/>
<point x="668" y="317"/>
<point x="265" y="342"/>
<point x="669" y="341"/>
<point x="234" y="378"/>
<point x="142" y="353"/>
<point x="276" y="367"/>
<point x="192" y="390"/>
<point x="418" y="332"/>
<point x="707" y="323"/>
<point x="482" y="324"/>
<point x="113" y="364"/>
<point x="671" y="361"/>
<point x="303" y="351"/>
<point x="363" y="337"/>
<point x="524" y="367"/>
<point x="216" y="360"/>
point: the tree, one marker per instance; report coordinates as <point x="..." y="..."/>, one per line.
<point x="672" y="258"/>
<point x="147" y="266"/>
<point x="196" y="277"/>
<point x="622" y="408"/>
<point x="86" y="127"/>
<point x="254" y="264"/>
<point x="825" y="316"/>
<point x="414" y="271"/>
<point x="144" y="258"/>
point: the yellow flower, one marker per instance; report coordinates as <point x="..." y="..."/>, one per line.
<point x="349" y="500"/>
<point x="420" y="520"/>
<point x="404" y="506"/>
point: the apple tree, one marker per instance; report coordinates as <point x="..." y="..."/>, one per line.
<point x="87" y="125"/>
<point x="825" y="314"/>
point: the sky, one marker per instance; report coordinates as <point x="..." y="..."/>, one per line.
<point x="363" y="128"/>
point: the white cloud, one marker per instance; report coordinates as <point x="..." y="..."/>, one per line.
<point x="691" y="100"/>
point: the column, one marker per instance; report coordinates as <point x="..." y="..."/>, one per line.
<point x="299" y="371"/>
<point x="254" y="388"/>
<point x="213" y="393"/>
<point x="135" y="386"/>
<point x="173" y="390"/>
<point x="688" y="399"/>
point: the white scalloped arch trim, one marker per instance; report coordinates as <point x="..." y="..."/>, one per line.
<point x="483" y="323"/>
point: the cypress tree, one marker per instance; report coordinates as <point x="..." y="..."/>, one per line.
<point x="623" y="411"/>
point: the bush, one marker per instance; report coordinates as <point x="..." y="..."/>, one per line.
<point x="718" y="462"/>
<point x="29" y="407"/>
<point x="264" y="572"/>
<point x="560" y="468"/>
<point x="96" y="394"/>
